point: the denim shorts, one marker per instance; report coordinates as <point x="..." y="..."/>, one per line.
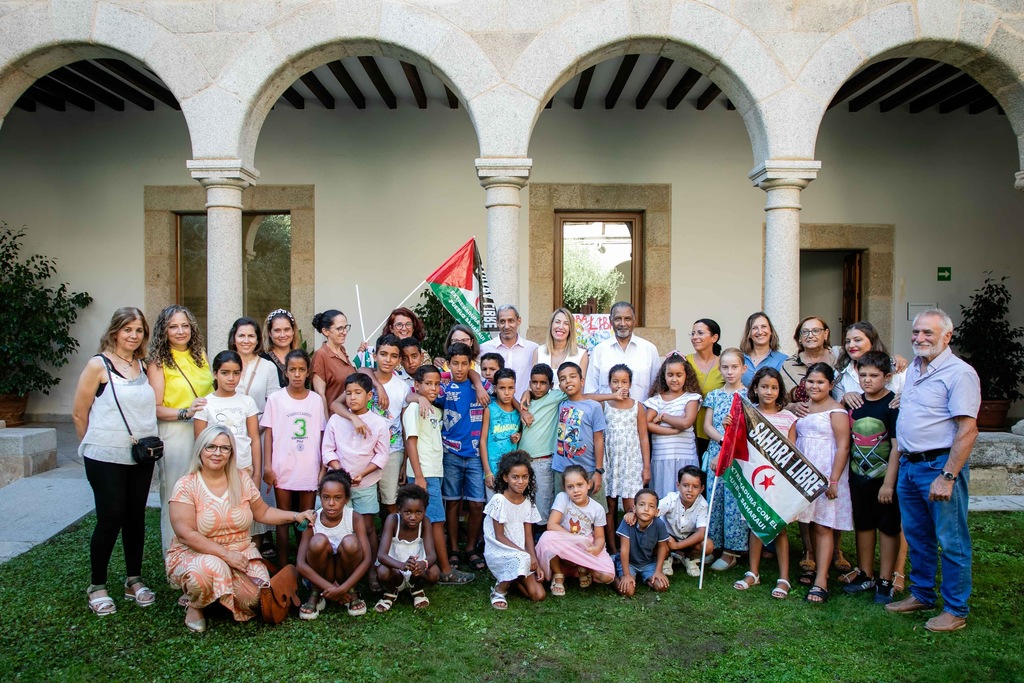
<point x="435" y="506"/>
<point x="463" y="479"/>
<point x="364" y="500"/>
<point x="643" y="573"/>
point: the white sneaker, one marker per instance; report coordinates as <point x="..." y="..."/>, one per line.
<point x="692" y="567"/>
<point x="666" y="568"/>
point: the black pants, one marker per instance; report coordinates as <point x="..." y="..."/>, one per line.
<point x="121" y="492"/>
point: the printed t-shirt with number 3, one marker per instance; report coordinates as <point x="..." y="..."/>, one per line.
<point x="298" y="427"/>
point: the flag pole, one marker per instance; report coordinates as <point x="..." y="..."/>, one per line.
<point x="707" y="530"/>
<point x="359" y="304"/>
<point x="407" y="297"/>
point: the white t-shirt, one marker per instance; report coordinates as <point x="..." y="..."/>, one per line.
<point x="640" y="355"/>
<point x="232" y="412"/>
<point x="579" y="520"/>
<point x="427" y="431"/>
<point x="397" y="390"/>
<point x="681" y="521"/>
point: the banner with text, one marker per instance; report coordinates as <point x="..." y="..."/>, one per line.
<point x="770" y="479"/>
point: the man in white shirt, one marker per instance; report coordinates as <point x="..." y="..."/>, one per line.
<point x="517" y="352"/>
<point x="625" y="347"/>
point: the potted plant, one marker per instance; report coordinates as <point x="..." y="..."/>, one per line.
<point x="994" y="349"/>
<point x="35" y="325"/>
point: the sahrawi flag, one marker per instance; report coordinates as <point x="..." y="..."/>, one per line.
<point x="461" y="286"/>
<point x="770" y="479"/>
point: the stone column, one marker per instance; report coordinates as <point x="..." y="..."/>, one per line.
<point x="1019" y="181"/>
<point x="502" y="179"/>
<point x="224" y="181"/>
<point x="783" y="180"/>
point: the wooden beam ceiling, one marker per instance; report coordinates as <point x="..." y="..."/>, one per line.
<point x="658" y="74"/>
<point x="379" y="82"/>
<point x="413" y="76"/>
<point x="582" y="87"/>
<point x="891" y="83"/>
<point x="683" y="88"/>
<point x="708" y="96"/>
<point x="140" y="81"/>
<point x="453" y="101"/>
<point x="962" y="99"/>
<point x="621" y="77"/>
<point x="40" y="96"/>
<point x="294" y="98"/>
<point x="113" y="84"/>
<point x="943" y="92"/>
<point x="317" y="88"/>
<point x="55" y="87"/>
<point x="88" y="88"/>
<point x="931" y="79"/>
<point x="983" y="104"/>
<point x="859" y="81"/>
<point x="345" y="80"/>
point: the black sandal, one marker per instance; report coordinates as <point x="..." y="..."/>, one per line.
<point x="817" y="592"/>
<point x="476" y="562"/>
<point x="807" y="578"/>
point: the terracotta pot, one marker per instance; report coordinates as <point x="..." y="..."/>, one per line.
<point x="12" y="409"/>
<point x="992" y="416"/>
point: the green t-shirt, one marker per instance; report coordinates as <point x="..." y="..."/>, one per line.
<point x="539" y="438"/>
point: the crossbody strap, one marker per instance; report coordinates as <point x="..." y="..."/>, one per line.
<point x="252" y="376"/>
<point x="110" y="383"/>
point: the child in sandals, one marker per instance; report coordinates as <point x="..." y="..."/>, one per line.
<point x="406" y="558"/>
<point x="334" y="552"/>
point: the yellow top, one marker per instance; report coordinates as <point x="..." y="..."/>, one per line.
<point x="177" y="393"/>
<point x="712" y="380"/>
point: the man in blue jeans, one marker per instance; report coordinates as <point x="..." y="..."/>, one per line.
<point x="936" y="430"/>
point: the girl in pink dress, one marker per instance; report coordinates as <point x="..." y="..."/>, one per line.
<point x="823" y="436"/>
<point x="574" y="540"/>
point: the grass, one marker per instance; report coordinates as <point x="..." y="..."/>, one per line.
<point x="718" y="634"/>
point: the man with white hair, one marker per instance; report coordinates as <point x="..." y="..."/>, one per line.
<point x="517" y="352"/>
<point x="936" y="430"/>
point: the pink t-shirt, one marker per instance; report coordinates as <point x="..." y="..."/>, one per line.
<point x="781" y="420"/>
<point x="297" y="429"/>
<point x="356" y="452"/>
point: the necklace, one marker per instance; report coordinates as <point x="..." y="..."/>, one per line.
<point x="126" y="361"/>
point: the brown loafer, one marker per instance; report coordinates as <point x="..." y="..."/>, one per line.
<point x="910" y="604"/>
<point x="945" y="623"/>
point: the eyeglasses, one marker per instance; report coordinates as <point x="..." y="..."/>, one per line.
<point x="342" y="328"/>
<point x="400" y="326"/>
<point x="812" y="332"/>
<point x="212" y="448"/>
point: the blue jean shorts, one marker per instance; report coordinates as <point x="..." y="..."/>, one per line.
<point x="435" y="506"/>
<point x="463" y="479"/>
<point x="642" y="572"/>
<point x="364" y="500"/>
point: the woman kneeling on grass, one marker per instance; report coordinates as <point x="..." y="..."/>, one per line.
<point x="212" y="558"/>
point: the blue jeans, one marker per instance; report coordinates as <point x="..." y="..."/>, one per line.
<point x="928" y="525"/>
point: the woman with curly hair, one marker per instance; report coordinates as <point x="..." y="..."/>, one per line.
<point x="180" y="376"/>
<point x="280" y="335"/>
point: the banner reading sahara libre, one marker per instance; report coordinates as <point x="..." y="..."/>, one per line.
<point x="460" y="284"/>
<point x="770" y="479"/>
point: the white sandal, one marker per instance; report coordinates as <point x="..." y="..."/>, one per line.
<point x="103" y="605"/>
<point x="743" y="584"/>
<point x="780" y="593"/>
<point x="385" y="603"/>
<point x="419" y="599"/>
<point x="499" y="600"/>
<point x="143" y="595"/>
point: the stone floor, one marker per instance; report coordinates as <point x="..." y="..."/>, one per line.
<point x="40" y="507"/>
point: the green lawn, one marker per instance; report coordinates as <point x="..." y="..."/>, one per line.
<point x="718" y="634"/>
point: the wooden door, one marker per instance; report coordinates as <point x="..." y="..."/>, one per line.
<point x="851" y="288"/>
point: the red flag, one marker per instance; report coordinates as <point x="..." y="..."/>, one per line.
<point x="457" y="270"/>
<point x="734" y="443"/>
<point x="460" y="284"/>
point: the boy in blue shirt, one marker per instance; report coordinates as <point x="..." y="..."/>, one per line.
<point x="462" y="418"/>
<point x="643" y="547"/>
<point x="580" y="438"/>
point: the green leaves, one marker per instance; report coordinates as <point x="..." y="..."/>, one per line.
<point x="35" y="318"/>
<point x="584" y="278"/>
<point x="986" y="340"/>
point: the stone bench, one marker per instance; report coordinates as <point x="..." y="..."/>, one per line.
<point x="26" y="451"/>
<point x="997" y="465"/>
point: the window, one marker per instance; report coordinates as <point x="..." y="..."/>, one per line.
<point x="594" y="261"/>
<point x="266" y="264"/>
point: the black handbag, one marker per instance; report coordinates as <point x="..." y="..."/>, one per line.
<point x="148" y="449"/>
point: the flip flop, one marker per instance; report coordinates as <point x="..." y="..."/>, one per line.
<point x="817" y="592"/>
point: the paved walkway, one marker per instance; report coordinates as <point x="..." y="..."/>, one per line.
<point x="35" y="509"/>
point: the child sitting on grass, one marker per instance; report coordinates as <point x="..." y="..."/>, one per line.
<point x="406" y="557"/>
<point x="643" y="547"/>
<point x="334" y="553"/>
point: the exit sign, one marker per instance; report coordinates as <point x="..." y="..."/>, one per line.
<point x="945" y="274"/>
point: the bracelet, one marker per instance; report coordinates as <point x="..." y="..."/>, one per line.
<point x="183" y="415"/>
<point x="833" y="483"/>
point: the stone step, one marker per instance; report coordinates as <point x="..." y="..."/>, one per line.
<point x="997" y="465"/>
<point x="25" y="451"/>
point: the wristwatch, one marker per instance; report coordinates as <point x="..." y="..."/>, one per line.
<point x="599" y="470"/>
<point x="948" y="476"/>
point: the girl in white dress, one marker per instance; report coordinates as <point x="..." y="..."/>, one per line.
<point x="508" y="530"/>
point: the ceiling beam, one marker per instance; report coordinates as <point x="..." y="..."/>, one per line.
<point x="453" y="101"/>
<point x="25" y="104"/>
<point x="682" y="88"/>
<point x="861" y="80"/>
<point x="972" y="94"/>
<point x="310" y="80"/>
<point x="379" y="82"/>
<point x="708" y="96"/>
<point x="621" y="77"/>
<point x="351" y="89"/>
<point x="294" y="97"/>
<point x="550" y="103"/>
<point x="891" y="83"/>
<point x="730" y="106"/>
<point x="984" y="104"/>
<point x="582" y="87"/>
<point x="943" y="92"/>
<point x="140" y="81"/>
<point x="413" y="76"/>
<point x="653" y="81"/>
<point x="87" y="88"/>
<point x="931" y="79"/>
<point x="57" y="88"/>
<point x="44" y="98"/>
<point x="113" y="84"/>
